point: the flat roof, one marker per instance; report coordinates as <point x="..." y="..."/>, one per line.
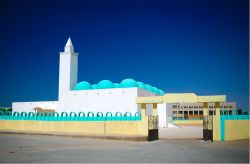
<point x="180" y="98"/>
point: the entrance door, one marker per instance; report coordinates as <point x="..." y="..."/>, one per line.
<point x="153" y="131"/>
<point x="208" y="128"/>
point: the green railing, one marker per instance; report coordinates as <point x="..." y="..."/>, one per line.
<point x="233" y="112"/>
<point x="72" y="116"/>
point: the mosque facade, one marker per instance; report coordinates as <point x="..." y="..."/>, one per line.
<point x="106" y="96"/>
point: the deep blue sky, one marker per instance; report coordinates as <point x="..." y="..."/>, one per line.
<point x="196" y="46"/>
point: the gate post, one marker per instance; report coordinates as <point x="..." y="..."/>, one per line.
<point x="143" y="128"/>
<point x="153" y="132"/>
<point x="205" y="121"/>
<point x="217" y="123"/>
<point x="156" y="121"/>
<point x="205" y="109"/>
<point x="155" y="112"/>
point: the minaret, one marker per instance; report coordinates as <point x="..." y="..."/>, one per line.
<point x="67" y="70"/>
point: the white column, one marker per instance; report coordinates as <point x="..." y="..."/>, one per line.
<point x="162" y="113"/>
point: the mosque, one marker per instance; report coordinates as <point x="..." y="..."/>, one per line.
<point x="127" y="96"/>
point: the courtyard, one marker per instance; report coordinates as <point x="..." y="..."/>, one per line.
<point x="26" y="148"/>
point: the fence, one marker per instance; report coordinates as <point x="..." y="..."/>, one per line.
<point x="72" y="116"/>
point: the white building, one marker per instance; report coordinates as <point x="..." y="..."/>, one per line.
<point x="104" y="96"/>
<point x="126" y="96"/>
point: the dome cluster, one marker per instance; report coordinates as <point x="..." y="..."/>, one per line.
<point x="126" y="83"/>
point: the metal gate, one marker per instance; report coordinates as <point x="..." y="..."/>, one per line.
<point x="208" y="128"/>
<point x="153" y="128"/>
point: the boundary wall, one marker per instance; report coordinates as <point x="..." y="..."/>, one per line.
<point x="108" y="125"/>
<point x="234" y="127"/>
<point x="230" y="127"/>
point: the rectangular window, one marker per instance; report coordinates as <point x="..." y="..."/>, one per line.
<point x="211" y="113"/>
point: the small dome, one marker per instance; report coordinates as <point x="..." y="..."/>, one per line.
<point x="128" y="83"/>
<point x="116" y="85"/>
<point x="161" y="92"/>
<point x="140" y="84"/>
<point x="105" y="84"/>
<point x="151" y="89"/>
<point x="94" y="86"/>
<point x="84" y="85"/>
<point x="155" y="90"/>
<point x="158" y="91"/>
<point x="148" y="87"/>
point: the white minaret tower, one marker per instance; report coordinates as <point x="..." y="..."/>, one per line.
<point x="67" y="70"/>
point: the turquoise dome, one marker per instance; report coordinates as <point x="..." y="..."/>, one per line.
<point x="94" y="86"/>
<point x="151" y="89"/>
<point x="161" y="92"/>
<point x="116" y="85"/>
<point x="105" y="84"/>
<point x="140" y="84"/>
<point x="158" y="91"/>
<point x="84" y="85"/>
<point x="128" y="83"/>
<point x="148" y="87"/>
<point x="155" y="90"/>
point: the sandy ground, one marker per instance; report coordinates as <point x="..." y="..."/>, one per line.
<point x="39" y="148"/>
<point x="182" y="132"/>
